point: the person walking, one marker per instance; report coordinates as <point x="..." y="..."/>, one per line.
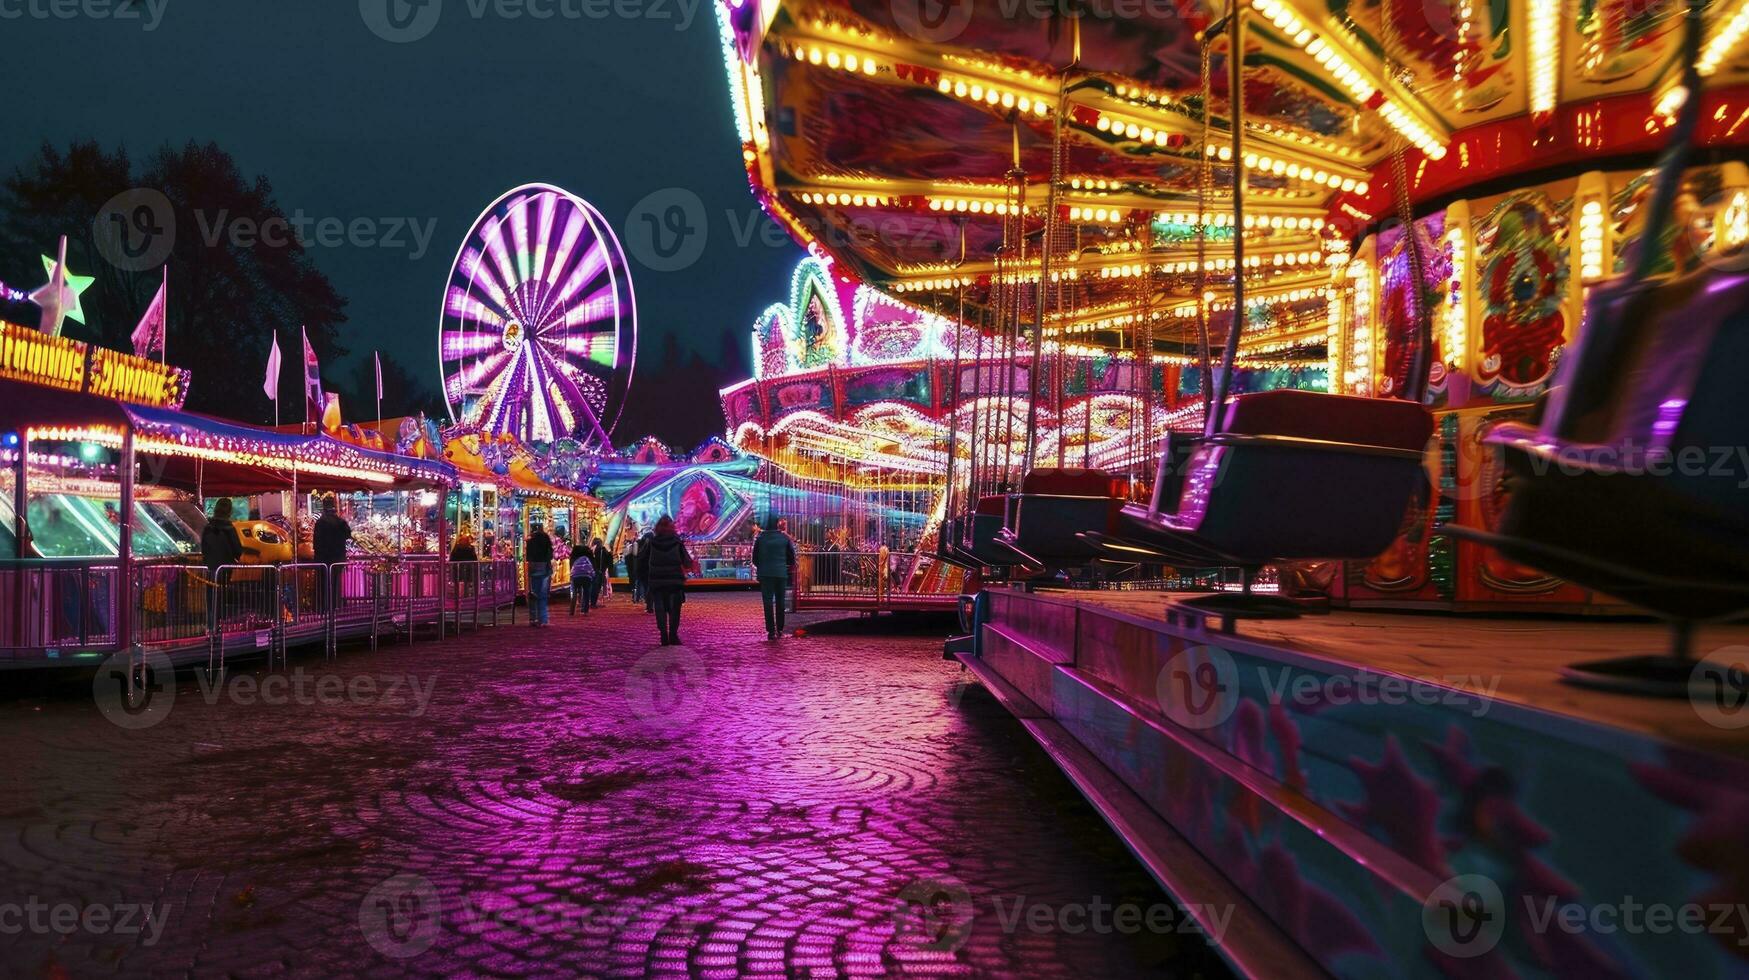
<point x="603" y="561"/>
<point x="220" y="545"/>
<point x="583" y="576"/>
<point x="644" y="569"/>
<point x="538" y="552"/>
<point x="633" y="572"/>
<point x="329" y="544"/>
<point x="665" y="563"/>
<point x="774" y="558"/>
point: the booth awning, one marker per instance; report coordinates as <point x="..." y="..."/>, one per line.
<point x="214" y="456"/>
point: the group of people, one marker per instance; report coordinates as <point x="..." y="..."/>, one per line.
<point x="590" y="567"/>
<point x="657" y="565"/>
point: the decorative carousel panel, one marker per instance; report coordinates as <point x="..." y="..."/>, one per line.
<point x="1526" y="301"/>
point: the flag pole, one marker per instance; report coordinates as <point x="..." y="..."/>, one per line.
<point x="164" y="334"/>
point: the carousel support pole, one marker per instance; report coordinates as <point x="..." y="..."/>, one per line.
<point x="443" y="571"/>
<point x="123" y="588"/>
<point x="21" y="540"/>
<point x="1235" y="122"/>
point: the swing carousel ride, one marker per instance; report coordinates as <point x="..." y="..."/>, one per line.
<point x="1022" y="208"/>
<point x="1421" y="305"/>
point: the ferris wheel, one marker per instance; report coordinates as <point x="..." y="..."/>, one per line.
<point x="539" y="329"/>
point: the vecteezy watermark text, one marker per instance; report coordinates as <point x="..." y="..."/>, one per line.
<point x="148" y="13"/>
<point x="1201" y="686"/>
<point x="406" y="21"/>
<point x="38" y="917"/>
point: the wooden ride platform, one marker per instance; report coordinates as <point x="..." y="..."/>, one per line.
<point x="1333" y="781"/>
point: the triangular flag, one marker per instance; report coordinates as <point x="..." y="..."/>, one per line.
<point x="378" y="358"/>
<point x="148" y="337"/>
<point x="331" y="412"/>
<point x="314" y="403"/>
<point x="271" y="385"/>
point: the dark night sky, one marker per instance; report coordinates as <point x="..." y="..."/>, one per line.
<point x="348" y="125"/>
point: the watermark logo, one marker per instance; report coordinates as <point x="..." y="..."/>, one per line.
<point x="1719" y="688"/>
<point x="1198" y="687"/>
<point x="401" y="917"/>
<point x="667" y="229"/>
<point x="149" y="13"/>
<point x="42" y="918"/>
<point x="934" y="914"/>
<point x="1465" y="916"/>
<point x="932" y="21"/>
<point x="135" y="694"/>
<point x="135" y="230"/>
<point x="666" y="689"/>
<point x="401" y="21"/>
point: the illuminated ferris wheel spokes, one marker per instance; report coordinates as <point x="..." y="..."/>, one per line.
<point x="539" y="325"/>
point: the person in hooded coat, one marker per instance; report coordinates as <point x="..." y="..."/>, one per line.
<point x="665" y="562"/>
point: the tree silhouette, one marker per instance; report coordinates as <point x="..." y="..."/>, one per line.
<point x="228" y="291"/>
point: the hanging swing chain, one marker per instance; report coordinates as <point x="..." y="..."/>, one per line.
<point x="1046" y="248"/>
<point x="1205" y="174"/>
<point x="952" y="400"/>
<point x="1235" y="31"/>
<point x="1415" y="385"/>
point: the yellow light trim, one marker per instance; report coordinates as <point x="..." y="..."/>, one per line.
<point x="1544" y="22"/>
<point x="1728" y="29"/>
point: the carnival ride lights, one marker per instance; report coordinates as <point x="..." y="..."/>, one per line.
<point x="340" y="461"/>
<point x="538" y="332"/>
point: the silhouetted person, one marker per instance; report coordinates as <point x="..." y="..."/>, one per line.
<point x="665" y="563"/>
<point x="583" y="574"/>
<point x="539" y="554"/>
<point x="603" y="560"/>
<point x="220" y="546"/>
<point x="328" y="541"/>
<point x="774" y="555"/>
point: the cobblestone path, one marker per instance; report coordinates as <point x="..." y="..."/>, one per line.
<point x="575" y="800"/>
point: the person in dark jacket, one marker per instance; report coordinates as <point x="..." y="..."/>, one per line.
<point x="220" y="545"/>
<point x="643" y="571"/>
<point x="582" y="576"/>
<point x="538" y="552"/>
<point x="603" y="560"/>
<point x="774" y="555"/>
<point x="665" y="562"/>
<point x="328" y="541"/>
<point x="465" y="561"/>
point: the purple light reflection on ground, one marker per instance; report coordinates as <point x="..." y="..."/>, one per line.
<point x="578" y="800"/>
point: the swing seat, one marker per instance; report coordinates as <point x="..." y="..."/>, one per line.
<point x="1290" y="475"/>
<point x="989" y="521"/>
<point x="1632" y="484"/>
<point x="1055" y="505"/>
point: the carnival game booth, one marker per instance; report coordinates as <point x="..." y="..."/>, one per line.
<point x="501" y="495"/>
<point x="1528" y="305"/>
<point x="74" y="593"/>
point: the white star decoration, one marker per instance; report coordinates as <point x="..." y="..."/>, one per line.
<point x="59" y="297"/>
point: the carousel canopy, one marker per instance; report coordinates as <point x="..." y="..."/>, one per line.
<point x="918" y="150"/>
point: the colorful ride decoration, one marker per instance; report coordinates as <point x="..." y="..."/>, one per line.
<point x="1510" y="272"/>
<point x="538" y="330"/>
<point x="845" y="372"/>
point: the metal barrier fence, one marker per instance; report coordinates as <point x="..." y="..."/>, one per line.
<point x="867" y="580"/>
<point x="52" y="603"/>
<point x="477" y="590"/>
<point x="49" y="605"/>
